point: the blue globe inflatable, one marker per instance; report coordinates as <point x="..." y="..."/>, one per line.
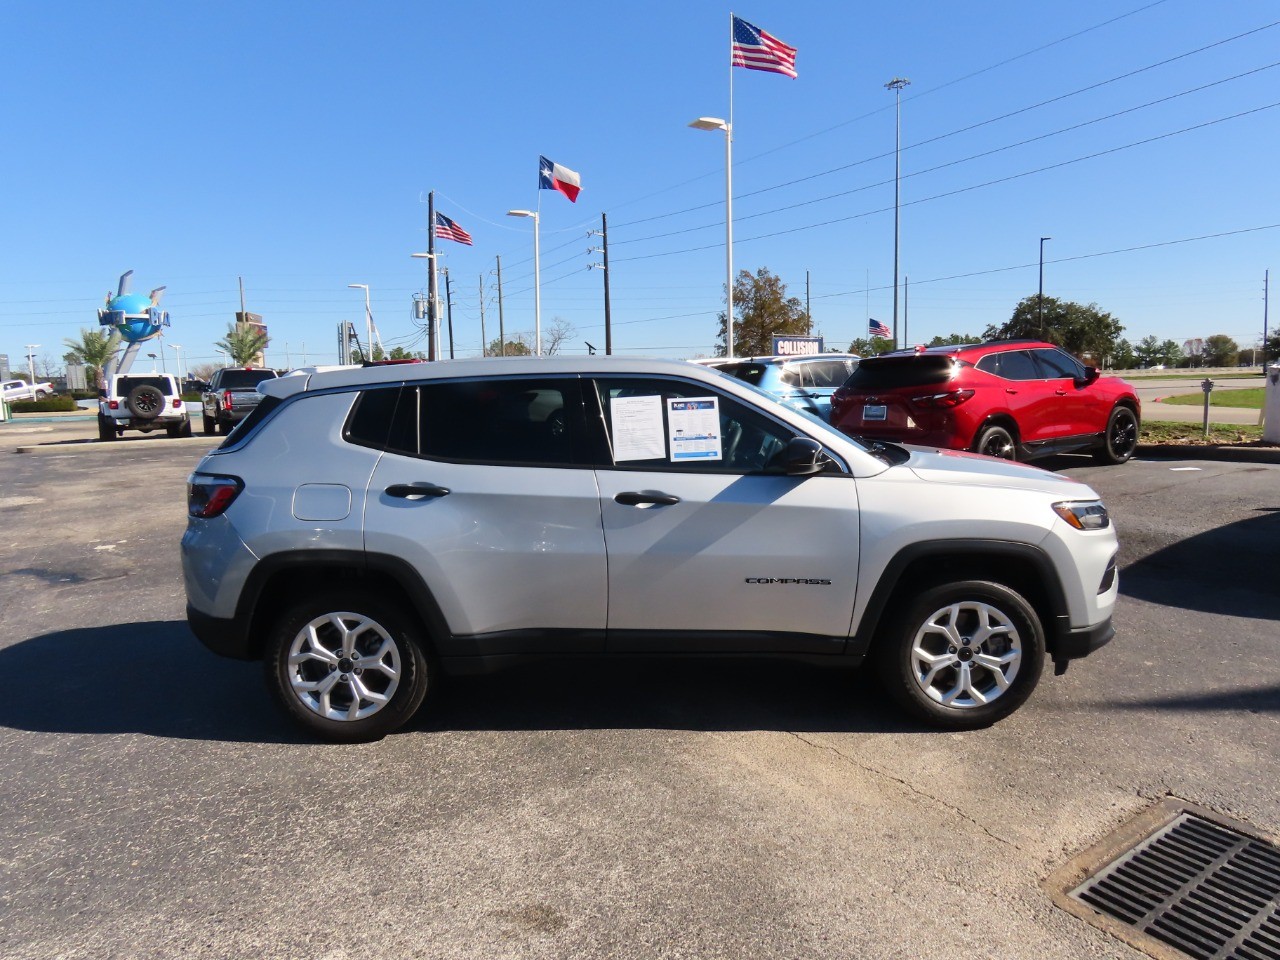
<point x="137" y="325"/>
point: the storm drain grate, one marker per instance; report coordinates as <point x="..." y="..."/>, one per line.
<point x="1198" y="886"/>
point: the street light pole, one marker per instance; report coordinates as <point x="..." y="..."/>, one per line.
<point x="177" y="359"/>
<point x="1040" y="296"/>
<point x="896" y="85"/>
<point x="368" y="315"/>
<point x="537" y="279"/>
<point x="31" y="361"/>
<point x="715" y="123"/>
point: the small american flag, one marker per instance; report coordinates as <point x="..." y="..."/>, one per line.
<point x="446" y="229"/>
<point x="877" y="329"/>
<point x="755" y="49"/>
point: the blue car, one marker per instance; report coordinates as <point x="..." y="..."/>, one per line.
<point x="805" y="383"/>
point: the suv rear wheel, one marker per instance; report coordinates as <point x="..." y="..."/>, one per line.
<point x="1121" y="438"/>
<point x="964" y="654"/>
<point x="996" y="441"/>
<point x="348" y="666"/>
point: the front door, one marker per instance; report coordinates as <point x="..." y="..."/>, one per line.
<point x="711" y="547"/>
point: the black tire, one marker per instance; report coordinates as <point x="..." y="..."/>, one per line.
<point x="383" y="627"/>
<point x="145" y="401"/>
<point x="223" y="427"/>
<point x="996" y="441"/>
<point x="185" y="431"/>
<point x="182" y="429"/>
<point x="106" y="429"/>
<point x="936" y="690"/>
<point x="209" y="424"/>
<point x="1121" y="439"/>
<point x="42" y="394"/>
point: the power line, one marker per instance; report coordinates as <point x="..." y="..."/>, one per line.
<point x="968" y="189"/>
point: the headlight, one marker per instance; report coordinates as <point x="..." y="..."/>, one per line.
<point x="1083" y="515"/>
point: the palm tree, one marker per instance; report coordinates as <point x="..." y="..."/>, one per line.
<point x="94" y="349"/>
<point x="243" y="344"/>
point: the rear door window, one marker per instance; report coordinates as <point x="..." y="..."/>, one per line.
<point x="125" y="384"/>
<point x="1010" y="365"/>
<point x="243" y="379"/>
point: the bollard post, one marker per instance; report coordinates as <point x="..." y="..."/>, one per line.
<point x="1271" y="405"/>
<point x="1207" y="387"/>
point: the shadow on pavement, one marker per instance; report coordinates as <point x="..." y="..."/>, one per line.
<point x="1228" y="570"/>
<point x="156" y="679"/>
<point x="1255" y="700"/>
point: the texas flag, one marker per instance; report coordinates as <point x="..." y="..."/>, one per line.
<point x="552" y="176"/>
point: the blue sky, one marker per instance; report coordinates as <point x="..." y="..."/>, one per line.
<point x="294" y="144"/>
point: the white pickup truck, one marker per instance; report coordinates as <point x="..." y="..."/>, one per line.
<point x="21" y="390"/>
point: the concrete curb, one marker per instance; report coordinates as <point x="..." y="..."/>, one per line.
<point x="132" y="444"/>
<point x="1231" y="453"/>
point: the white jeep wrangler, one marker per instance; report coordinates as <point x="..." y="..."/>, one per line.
<point x="142" y="401"/>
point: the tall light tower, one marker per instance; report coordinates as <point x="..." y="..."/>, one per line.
<point x="31" y="360"/>
<point x="1040" y="296"/>
<point x="715" y="123"/>
<point x="368" y="314"/>
<point x="896" y="85"/>
<point x="537" y="279"/>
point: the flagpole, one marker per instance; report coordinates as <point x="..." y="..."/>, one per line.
<point x="728" y="206"/>
<point x="537" y="280"/>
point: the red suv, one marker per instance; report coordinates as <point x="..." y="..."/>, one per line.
<point x="1015" y="399"/>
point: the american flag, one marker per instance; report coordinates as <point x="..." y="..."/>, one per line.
<point x="876" y="328"/>
<point x="446" y="229"/>
<point x="755" y="49"/>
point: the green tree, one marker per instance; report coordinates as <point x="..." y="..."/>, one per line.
<point x="762" y="311"/>
<point x="94" y="349"/>
<point x="1124" y="358"/>
<point x="516" y="347"/>
<point x="1220" y="351"/>
<point x="1171" y="354"/>
<point x="400" y="353"/>
<point x="870" y="346"/>
<point x="1084" y="330"/>
<point x="954" y="340"/>
<point x="243" y="344"/>
<point x="1149" y="352"/>
<point x="1271" y="350"/>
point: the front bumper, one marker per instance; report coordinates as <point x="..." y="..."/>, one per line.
<point x="1074" y="644"/>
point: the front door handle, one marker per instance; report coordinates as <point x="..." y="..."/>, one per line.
<point x="1010" y="390"/>
<point x="645" y="498"/>
<point x="410" y="491"/>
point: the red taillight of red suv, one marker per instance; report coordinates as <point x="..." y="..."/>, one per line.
<point x="209" y="496"/>
<point x="950" y="398"/>
<point x="838" y="400"/>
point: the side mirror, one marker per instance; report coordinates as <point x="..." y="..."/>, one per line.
<point x="1090" y="376"/>
<point x="800" y="459"/>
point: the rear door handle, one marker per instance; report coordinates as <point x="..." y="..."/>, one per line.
<point x="409" y="491"/>
<point x="642" y="498"/>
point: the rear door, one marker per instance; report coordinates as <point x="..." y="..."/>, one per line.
<point x="482" y="490"/>
<point x="712" y="548"/>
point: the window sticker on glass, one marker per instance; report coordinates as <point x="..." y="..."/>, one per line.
<point x="695" y="429"/>
<point x="636" y="424"/>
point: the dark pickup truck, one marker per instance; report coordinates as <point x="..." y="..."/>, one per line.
<point x="232" y="395"/>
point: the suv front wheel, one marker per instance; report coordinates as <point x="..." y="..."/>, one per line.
<point x="964" y="655"/>
<point x="1121" y="439"/>
<point x="348" y="666"/>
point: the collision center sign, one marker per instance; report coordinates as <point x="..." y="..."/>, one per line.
<point x="797" y="346"/>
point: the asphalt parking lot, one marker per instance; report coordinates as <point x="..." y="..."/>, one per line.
<point x="158" y="804"/>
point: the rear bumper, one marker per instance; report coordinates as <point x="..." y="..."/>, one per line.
<point x="227" y="638"/>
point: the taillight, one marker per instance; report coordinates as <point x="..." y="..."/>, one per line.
<point x="837" y="401"/>
<point x="209" y="496"/>
<point x="226" y="400"/>
<point x="113" y="404"/>
<point x="952" y="398"/>
<point x="177" y="403"/>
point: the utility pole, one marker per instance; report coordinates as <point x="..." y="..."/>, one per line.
<point x="31" y="360"/>
<point x="896" y="85"/>
<point x="603" y="234"/>
<point x="1040" y="296"/>
<point x="502" y="330"/>
<point x="432" y="293"/>
<point x="808" y="310"/>
<point x="484" y="343"/>
<point x="1266" y="302"/>
<point x="906" y="307"/>
<point x="448" y="301"/>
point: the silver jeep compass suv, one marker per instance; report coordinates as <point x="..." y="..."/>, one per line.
<point x="367" y="528"/>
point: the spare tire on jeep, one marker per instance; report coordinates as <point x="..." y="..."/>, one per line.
<point x="145" y="401"/>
